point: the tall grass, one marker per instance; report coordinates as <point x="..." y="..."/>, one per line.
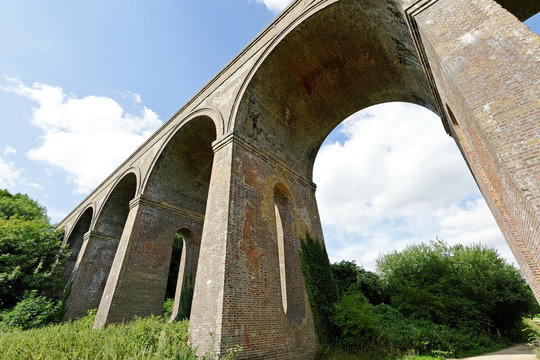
<point x="149" y="338"/>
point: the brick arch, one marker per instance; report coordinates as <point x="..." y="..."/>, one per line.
<point x="75" y="237"/>
<point x="91" y="271"/>
<point x="344" y="57"/>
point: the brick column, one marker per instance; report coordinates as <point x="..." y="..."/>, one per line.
<point x="238" y="294"/>
<point x="187" y="272"/>
<point x="138" y="277"/>
<point x="90" y="273"/>
<point x="484" y="67"/>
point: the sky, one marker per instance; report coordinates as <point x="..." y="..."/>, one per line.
<point x="83" y="84"/>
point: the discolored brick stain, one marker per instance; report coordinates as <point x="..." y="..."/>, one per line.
<point x="252" y="252"/>
<point x="214" y="166"/>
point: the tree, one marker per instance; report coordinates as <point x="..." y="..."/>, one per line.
<point x="468" y="287"/>
<point x="20" y="205"/>
<point x="31" y="255"/>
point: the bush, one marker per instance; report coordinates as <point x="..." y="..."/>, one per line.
<point x="354" y="318"/>
<point x="33" y="311"/>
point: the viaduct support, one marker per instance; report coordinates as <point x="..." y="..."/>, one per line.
<point x="240" y="298"/>
<point x="90" y="273"/>
<point x="485" y="66"/>
<point x="138" y="278"/>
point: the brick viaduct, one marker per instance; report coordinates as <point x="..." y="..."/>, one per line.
<point x="232" y="169"/>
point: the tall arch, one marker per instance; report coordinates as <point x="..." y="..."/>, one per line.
<point x="99" y="248"/>
<point x="174" y="197"/>
<point x="75" y="240"/>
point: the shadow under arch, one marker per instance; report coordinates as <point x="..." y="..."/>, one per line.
<point x="74" y="240"/>
<point x="173" y="196"/>
<point x="100" y="244"/>
<point x="180" y="177"/>
<point x="344" y="58"/>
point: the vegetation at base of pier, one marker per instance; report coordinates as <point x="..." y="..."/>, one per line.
<point x="31" y="263"/>
<point x="148" y="338"/>
<point x="429" y="299"/>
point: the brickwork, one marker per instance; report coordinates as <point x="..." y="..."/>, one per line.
<point x="249" y="292"/>
<point x="89" y="279"/>
<point x="486" y="66"/>
<point x="244" y="201"/>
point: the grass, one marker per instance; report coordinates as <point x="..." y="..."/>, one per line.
<point x="149" y="338"/>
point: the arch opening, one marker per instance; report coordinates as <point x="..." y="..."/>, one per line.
<point x="75" y="240"/>
<point x="180" y="178"/>
<point x="113" y="216"/>
<point x="346" y="57"/>
<point x="92" y="270"/>
<point x="388" y="177"/>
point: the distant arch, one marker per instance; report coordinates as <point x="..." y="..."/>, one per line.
<point x="75" y="238"/>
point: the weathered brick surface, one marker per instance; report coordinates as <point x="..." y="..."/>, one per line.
<point x="250" y="195"/>
<point x="486" y="64"/>
<point x="89" y="278"/>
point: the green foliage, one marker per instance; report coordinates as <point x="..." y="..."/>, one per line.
<point x="31" y="257"/>
<point x="345" y="274"/>
<point x="349" y="276"/>
<point x="532" y="332"/>
<point x="354" y="317"/>
<point x="21" y="206"/>
<point x="320" y="287"/>
<point x="33" y="311"/>
<point x="467" y="287"/>
<point x="175" y="266"/>
<point x="168" y="306"/>
<point x="150" y="338"/>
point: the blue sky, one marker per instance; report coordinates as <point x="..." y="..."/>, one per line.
<point x="80" y="81"/>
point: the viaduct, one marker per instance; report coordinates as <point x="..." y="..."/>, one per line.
<point x="231" y="171"/>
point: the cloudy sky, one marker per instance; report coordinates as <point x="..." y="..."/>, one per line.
<point x="82" y="84"/>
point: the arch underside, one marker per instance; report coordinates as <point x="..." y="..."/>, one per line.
<point x="346" y="57"/>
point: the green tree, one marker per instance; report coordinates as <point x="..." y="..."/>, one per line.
<point x="345" y="274"/>
<point x="467" y="287"/>
<point x="31" y="255"/>
<point x="20" y="205"/>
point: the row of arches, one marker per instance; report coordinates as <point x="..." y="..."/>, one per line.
<point x="179" y="178"/>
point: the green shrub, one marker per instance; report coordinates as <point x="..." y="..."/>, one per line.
<point x="168" y="308"/>
<point x="33" y="311"/>
<point x="354" y="318"/>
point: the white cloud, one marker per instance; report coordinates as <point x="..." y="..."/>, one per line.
<point x="275" y="5"/>
<point x="9" y="150"/>
<point x="9" y="174"/>
<point x="87" y="137"/>
<point x="396" y="179"/>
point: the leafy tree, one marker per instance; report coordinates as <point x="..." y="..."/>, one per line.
<point x="31" y="255"/>
<point x="320" y="287"/>
<point x="345" y="274"/>
<point x="20" y="205"/>
<point x="467" y="287"/>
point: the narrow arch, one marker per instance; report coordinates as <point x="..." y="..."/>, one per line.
<point x="292" y="285"/>
<point x="75" y="240"/>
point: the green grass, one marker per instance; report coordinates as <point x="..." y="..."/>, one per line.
<point x="149" y="338"/>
